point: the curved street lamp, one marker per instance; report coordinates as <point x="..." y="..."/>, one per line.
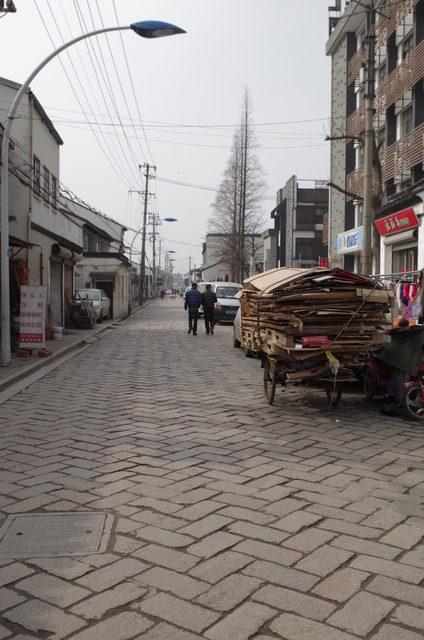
<point x="146" y="29"/>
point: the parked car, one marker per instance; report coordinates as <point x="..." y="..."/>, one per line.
<point x="101" y="302"/>
<point x="227" y="305"/>
<point x="238" y="338"/>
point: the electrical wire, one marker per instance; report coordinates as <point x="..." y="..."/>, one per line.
<point x="133" y="88"/>
<point x="104" y="81"/>
<point x="108" y="156"/>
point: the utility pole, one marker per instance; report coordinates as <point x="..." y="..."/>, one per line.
<point x="154" y="257"/>
<point x="143" y="245"/>
<point x="366" y="256"/>
<point x="189" y="270"/>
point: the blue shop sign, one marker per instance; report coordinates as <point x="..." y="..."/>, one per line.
<point x="350" y="241"/>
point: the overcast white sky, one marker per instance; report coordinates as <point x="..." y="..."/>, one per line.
<point x="177" y="101"/>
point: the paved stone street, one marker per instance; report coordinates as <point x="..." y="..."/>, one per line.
<point x="232" y="520"/>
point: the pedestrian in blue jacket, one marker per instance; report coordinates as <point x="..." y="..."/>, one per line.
<point x="192" y="302"/>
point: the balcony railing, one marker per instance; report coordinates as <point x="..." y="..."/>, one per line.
<point x="396" y="161"/>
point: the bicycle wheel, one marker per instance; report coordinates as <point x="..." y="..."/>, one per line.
<point x="412" y="402"/>
<point x="270" y="381"/>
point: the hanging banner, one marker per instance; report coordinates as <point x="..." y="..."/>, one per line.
<point x="396" y="222"/>
<point x="33" y="316"/>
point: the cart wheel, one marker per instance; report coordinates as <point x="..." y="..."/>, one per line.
<point x="412" y="402"/>
<point x="369" y="385"/>
<point x="270" y="381"/>
<point x="334" y="393"/>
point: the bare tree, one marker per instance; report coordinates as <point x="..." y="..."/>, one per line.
<point x="237" y="211"/>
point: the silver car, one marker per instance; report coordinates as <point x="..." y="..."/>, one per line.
<point x="99" y="300"/>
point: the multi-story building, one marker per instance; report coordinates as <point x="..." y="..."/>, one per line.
<point x="216" y="267"/>
<point x="398" y="125"/>
<point x="298" y="220"/>
<point x="51" y="234"/>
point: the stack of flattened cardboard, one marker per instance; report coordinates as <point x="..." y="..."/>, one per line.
<point x="296" y="315"/>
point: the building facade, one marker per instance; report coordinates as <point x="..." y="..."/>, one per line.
<point x="214" y="268"/>
<point x="49" y="234"/>
<point x="104" y="264"/>
<point x="45" y="243"/>
<point x="298" y="222"/>
<point x="398" y="176"/>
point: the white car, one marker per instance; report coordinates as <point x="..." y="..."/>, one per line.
<point x="227" y="305"/>
<point x="99" y="300"/>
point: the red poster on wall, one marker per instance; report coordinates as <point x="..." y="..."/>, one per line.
<point x="396" y="222"/>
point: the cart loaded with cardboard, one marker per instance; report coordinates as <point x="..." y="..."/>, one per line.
<point x="311" y="326"/>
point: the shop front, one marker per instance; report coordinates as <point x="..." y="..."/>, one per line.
<point x="349" y="245"/>
<point x="400" y="240"/>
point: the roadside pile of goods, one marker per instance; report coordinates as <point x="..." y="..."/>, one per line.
<point x="319" y="314"/>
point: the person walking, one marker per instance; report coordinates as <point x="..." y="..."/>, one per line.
<point x="208" y="302"/>
<point x="192" y="302"/>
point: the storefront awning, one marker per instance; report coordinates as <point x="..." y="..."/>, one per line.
<point x="17" y="242"/>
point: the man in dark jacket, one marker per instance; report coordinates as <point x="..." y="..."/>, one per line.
<point x="208" y="302"/>
<point x="192" y="302"/>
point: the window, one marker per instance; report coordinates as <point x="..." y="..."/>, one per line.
<point x="361" y="39"/>
<point x="46" y="184"/>
<point x="360" y="214"/>
<point x="382" y="73"/>
<point x="407" y="121"/>
<point x="360" y="155"/>
<point x="319" y="215"/>
<point x="54" y="191"/>
<point x="404" y="260"/>
<point x="304" y="249"/>
<point x="36" y="169"/>
<point x="381" y="139"/>
<point x="227" y="292"/>
<point x="407" y="46"/>
<point x="404" y="185"/>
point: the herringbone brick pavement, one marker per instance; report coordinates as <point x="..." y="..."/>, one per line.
<point x="233" y="520"/>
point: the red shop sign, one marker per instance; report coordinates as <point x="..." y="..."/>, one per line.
<point x="397" y="222"/>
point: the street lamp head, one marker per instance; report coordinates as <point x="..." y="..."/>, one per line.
<point x="171" y="251"/>
<point x="155" y="29"/>
<point x="170" y="219"/>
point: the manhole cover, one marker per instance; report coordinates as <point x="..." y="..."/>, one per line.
<point x="45" y="535"/>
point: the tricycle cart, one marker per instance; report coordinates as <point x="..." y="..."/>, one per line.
<point x="311" y="325"/>
<point x="330" y="376"/>
<point x="398" y="368"/>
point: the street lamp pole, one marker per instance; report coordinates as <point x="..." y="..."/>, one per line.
<point x="145" y="29"/>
